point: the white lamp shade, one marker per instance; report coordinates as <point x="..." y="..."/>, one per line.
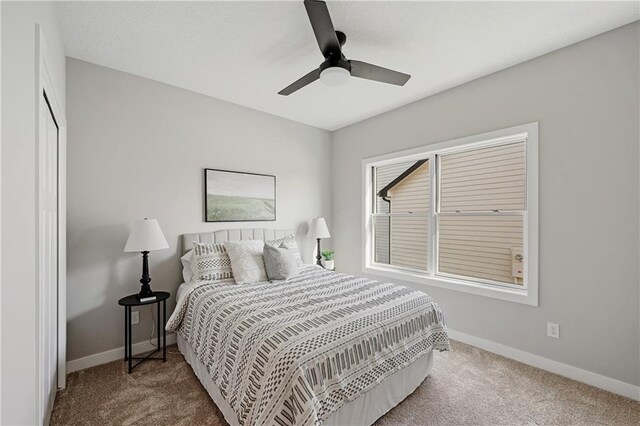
<point x="318" y="228"/>
<point x="146" y="235"/>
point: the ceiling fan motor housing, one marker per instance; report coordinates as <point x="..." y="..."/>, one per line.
<point x="333" y="62"/>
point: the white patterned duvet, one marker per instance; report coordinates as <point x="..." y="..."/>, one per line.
<point x="293" y="352"/>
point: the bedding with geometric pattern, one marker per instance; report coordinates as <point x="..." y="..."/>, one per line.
<point x="293" y="352"/>
<point x="212" y="262"/>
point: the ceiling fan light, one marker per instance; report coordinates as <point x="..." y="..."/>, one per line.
<point x="334" y="76"/>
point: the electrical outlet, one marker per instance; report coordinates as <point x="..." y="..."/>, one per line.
<point x="553" y="330"/>
<point x="135" y="317"/>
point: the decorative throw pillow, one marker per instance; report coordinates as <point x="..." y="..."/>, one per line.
<point x="247" y="261"/>
<point x="279" y="263"/>
<point x="190" y="271"/>
<point x="288" y="241"/>
<point x="212" y="262"/>
<point x="187" y="262"/>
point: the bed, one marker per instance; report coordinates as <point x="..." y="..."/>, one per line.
<point x="322" y="348"/>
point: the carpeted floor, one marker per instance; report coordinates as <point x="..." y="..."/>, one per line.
<point x="466" y="386"/>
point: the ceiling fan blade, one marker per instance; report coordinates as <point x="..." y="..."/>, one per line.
<point x="376" y="73"/>
<point x="322" y="27"/>
<point x="300" y="83"/>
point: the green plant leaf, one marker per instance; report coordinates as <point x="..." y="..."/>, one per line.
<point x="327" y="254"/>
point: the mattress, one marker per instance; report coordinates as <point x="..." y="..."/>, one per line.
<point x="298" y="352"/>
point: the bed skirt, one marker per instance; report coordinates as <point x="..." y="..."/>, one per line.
<point x="364" y="410"/>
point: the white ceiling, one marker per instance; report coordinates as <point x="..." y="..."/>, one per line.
<point x="245" y="52"/>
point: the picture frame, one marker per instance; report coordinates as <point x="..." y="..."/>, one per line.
<point x="234" y="196"/>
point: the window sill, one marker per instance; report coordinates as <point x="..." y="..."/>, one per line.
<point x="523" y="296"/>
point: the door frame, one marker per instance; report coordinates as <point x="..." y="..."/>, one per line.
<point x="44" y="84"/>
<point x="0" y="213"/>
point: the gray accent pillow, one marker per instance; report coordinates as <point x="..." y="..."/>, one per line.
<point x="279" y="262"/>
<point x="288" y="241"/>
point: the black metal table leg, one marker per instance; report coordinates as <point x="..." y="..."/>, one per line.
<point x="130" y="339"/>
<point x="126" y="334"/>
<point x="158" y="323"/>
<point x="164" y="330"/>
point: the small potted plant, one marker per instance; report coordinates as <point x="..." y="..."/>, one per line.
<point x="327" y="259"/>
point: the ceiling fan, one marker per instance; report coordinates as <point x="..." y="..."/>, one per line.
<point x="336" y="68"/>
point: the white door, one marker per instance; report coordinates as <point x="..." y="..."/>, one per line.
<point x="48" y="257"/>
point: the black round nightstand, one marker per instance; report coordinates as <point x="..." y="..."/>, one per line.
<point x="133" y="300"/>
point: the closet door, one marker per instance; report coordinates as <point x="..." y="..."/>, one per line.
<point x="48" y="256"/>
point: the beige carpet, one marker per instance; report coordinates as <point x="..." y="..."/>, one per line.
<point x="466" y="386"/>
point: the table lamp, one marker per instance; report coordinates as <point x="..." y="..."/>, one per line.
<point x="146" y="236"/>
<point x="318" y="230"/>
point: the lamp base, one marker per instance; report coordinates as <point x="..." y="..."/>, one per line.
<point x="319" y="256"/>
<point x="145" y="289"/>
<point x="146" y="293"/>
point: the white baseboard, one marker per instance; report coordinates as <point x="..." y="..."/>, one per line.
<point x="575" y="373"/>
<point x="113" y="355"/>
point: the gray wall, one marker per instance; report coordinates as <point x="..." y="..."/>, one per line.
<point x="137" y="148"/>
<point x="585" y="98"/>
<point x="19" y="241"/>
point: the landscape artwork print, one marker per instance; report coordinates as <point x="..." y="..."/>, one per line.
<point x="238" y="196"/>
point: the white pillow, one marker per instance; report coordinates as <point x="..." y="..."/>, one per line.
<point x="212" y="262"/>
<point x="289" y="242"/>
<point x="189" y="267"/>
<point x="247" y="262"/>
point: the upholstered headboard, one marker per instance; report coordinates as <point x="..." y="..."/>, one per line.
<point x="232" y="235"/>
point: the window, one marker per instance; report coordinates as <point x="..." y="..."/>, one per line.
<point x="402" y="213"/>
<point x="460" y="214"/>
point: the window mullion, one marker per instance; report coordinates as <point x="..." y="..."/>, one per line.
<point x="432" y="237"/>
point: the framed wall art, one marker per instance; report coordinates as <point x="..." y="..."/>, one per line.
<point x="238" y="196"/>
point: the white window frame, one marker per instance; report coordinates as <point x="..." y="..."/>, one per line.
<point x="526" y="293"/>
